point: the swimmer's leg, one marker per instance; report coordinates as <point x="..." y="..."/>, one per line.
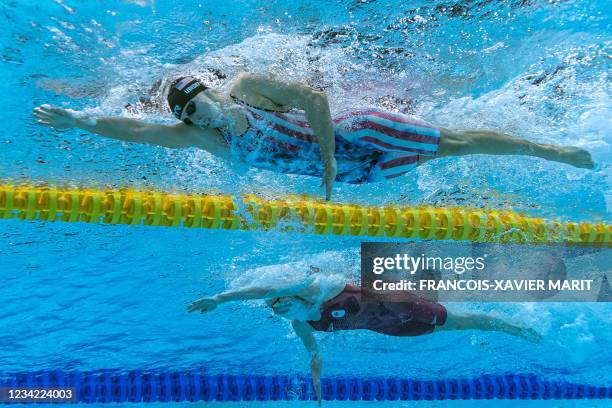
<point x="464" y="142"/>
<point x="472" y="321"/>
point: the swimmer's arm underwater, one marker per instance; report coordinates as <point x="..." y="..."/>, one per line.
<point x="250" y="293"/>
<point x="301" y="96"/>
<point x="302" y="329"/>
<point x="131" y="130"/>
<point x="304" y="332"/>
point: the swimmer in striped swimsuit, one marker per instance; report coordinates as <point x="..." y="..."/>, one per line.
<point x="287" y="127"/>
<point x="370" y="144"/>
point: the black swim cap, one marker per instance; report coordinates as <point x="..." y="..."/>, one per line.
<point x="182" y="91"/>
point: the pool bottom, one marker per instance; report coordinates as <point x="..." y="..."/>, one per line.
<point x="113" y="386"/>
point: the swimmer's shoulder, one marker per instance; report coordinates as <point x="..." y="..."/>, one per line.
<point x="324" y="287"/>
<point x="240" y="90"/>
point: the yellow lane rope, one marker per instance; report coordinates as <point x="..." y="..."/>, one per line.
<point x="295" y="214"/>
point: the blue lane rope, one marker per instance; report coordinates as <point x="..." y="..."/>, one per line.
<point x="138" y="386"/>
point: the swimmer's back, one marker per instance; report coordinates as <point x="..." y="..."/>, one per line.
<point x="408" y="315"/>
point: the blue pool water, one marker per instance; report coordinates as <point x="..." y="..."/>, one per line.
<point x="88" y="297"/>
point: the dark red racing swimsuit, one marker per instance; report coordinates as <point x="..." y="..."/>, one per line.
<point x="409" y="315"/>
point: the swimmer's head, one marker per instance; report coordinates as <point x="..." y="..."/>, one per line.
<point x="189" y="103"/>
<point x="291" y="307"/>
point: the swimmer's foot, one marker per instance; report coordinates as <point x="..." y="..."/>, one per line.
<point x="530" y="334"/>
<point x="525" y="332"/>
<point x="576" y="157"/>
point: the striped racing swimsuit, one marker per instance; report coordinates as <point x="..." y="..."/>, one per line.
<point x="372" y="144"/>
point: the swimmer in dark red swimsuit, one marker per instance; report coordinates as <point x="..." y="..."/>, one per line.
<point x="324" y="302"/>
<point x="409" y="315"/>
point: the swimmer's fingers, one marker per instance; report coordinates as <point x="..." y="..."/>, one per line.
<point x="43" y="118"/>
<point x="325" y="184"/>
<point x="41" y="113"/>
<point x="203" y="305"/>
<point x="55" y="117"/>
<point x="329" y="175"/>
<point x="51" y="111"/>
<point x="45" y="109"/>
<point x="51" y="108"/>
<point x="194" y="306"/>
<point x="328" y="190"/>
<point x="50" y="121"/>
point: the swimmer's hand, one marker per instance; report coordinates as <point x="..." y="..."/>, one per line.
<point x="329" y="175"/>
<point x="203" y="305"/>
<point x="315" y="368"/>
<point x="55" y="117"/>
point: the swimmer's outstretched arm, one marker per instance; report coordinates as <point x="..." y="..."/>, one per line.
<point x="132" y="130"/>
<point x="481" y="321"/>
<point x="249" y="293"/>
<point x="304" y="332"/>
<point x="302" y="329"/>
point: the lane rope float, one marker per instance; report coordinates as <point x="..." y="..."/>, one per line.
<point x="292" y="214"/>
<point x="107" y="386"/>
